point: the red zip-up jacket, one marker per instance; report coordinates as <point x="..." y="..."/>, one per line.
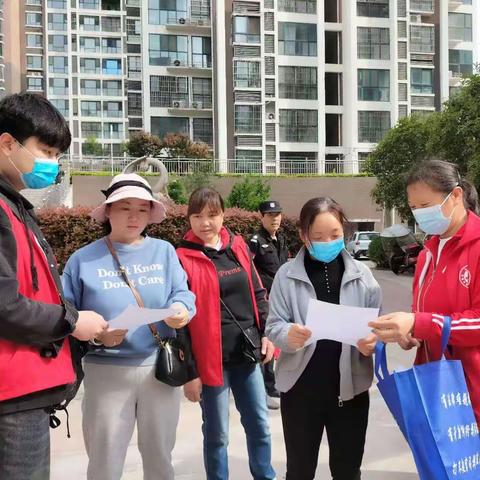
<point x="37" y="368"/>
<point x="451" y="288"/>
<point x="205" y="326"/>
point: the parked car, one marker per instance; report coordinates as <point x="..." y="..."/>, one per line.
<point x="359" y="242"/>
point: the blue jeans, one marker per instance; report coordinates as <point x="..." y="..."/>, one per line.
<point x="25" y="445"/>
<point x="246" y="383"/>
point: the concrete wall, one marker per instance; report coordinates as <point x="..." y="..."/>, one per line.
<point x="353" y="193"/>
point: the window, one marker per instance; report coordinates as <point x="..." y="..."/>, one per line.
<point x="90" y="65"/>
<point x="114" y="24"/>
<point x="372" y="126"/>
<point x="58" y="64"/>
<point x="112" y="88"/>
<point x="58" y="86"/>
<point x="299" y="126"/>
<point x="247" y="74"/>
<point x="297" y="39"/>
<point x="57" y="43"/>
<point x="422" y="39"/>
<point x="34" y="84"/>
<point x="202" y="52"/>
<point x="422" y="6"/>
<point x="203" y="130"/>
<point x="57" y="21"/>
<point x="164" y="12"/>
<point x="111" y="45"/>
<point x="90" y="87"/>
<point x="297" y="82"/>
<point x="90" y="45"/>
<point x="248" y="119"/>
<point x="422" y="80"/>
<point x="246" y="29"/>
<point x="91" y="109"/>
<point x="460" y="26"/>
<point x="168" y="91"/>
<point x="135" y="106"/>
<point x="33" y="19"/>
<point x="298" y="6"/>
<point x="112" y="67"/>
<point x="134" y="65"/>
<point x="91" y="129"/>
<point x="373" y="43"/>
<point x="90" y="4"/>
<point x="61" y="105"/>
<point x="202" y="92"/>
<point x="34" y="62"/>
<point x="34" y="2"/>
<point x="372" y="8"/>
<point x="333" y="47"/>
<point x="168" y="49"/>
<point x="89" y="24"/>
<point x="161" y="126"/>
<point x="460" y="62"/>
<point x="374" y="85"/>
<point x="34" y="40"/>
<point x="57" y="4"/>
<point x="113" y="109"/>
<point x="113" y="130"/>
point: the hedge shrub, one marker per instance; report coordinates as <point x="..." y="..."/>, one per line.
<point x="376" y="253"/>
<point x="68" y="229"/>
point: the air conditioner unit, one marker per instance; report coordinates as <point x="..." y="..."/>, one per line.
<point x="177" y="63"/>
<point x="182" y="21"/>
<point x="271" y="116"/>
<point x="415" y="18"/>
<point x="197" y="105"/>
<point x="176" y="104"/>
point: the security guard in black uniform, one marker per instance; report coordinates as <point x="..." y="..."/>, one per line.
<point x="270" y="253"/>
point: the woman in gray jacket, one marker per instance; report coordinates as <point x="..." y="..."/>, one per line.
<point x="324" y="385"/>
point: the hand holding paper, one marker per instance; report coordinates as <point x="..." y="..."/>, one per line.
<point x="133" y="317"/>
<point x="342" y="323"/>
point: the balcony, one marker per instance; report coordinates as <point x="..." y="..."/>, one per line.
<point x="179" y="21"/>
<point x="182" y="65"/>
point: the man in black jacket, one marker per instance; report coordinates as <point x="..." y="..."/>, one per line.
<point x="39" y="369"/>
<point x="270" y="253"/>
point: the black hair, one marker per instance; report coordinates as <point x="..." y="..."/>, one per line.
<point x="205" y="197"/>
<point x="25" y="115"/>
<point x="443" y="177"/>
<point x="318" y="205"/>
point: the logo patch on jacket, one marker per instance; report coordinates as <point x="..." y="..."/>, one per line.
<point x="465" y="276"/>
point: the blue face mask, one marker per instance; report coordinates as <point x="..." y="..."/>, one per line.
<point x="326" y="251"/>
<point x="432" y="220"/>
<point x="43" y="174"/>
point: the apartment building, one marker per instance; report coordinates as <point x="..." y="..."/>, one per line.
<point x="307" y="86"/>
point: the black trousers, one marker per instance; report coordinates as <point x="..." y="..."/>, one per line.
<point x="269" y="379"/>
<point x="306" y="413"/>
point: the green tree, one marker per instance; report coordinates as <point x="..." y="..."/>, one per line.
<point x="452" y="134"/>
<point x="176" y="191"/>
<point x="248" y="194"/>
<point x="92" y="147"/>
<point x="143" y="144"/>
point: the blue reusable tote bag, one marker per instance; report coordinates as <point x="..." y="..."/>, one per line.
<point x="432" y="407"/>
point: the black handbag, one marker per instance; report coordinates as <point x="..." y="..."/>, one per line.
<point x="252" y="342"/>
<point x="174" y="363"/>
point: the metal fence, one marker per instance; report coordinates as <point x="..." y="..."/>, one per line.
<point x="187" y="166"/>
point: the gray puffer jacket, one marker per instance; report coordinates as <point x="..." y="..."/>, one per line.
<point x="289" y="298"/>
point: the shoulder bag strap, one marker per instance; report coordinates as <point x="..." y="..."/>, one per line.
<point x="135" y="292"/>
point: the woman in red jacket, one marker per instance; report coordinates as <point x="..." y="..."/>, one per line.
<point x="231" y="306"/>
<point x="447" y="278"/>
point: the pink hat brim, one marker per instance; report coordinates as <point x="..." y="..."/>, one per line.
<point x="157" y="213"/>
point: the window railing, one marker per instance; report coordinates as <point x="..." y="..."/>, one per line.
<point x="368" y="9"/>
<point x="85" y="27"/>
<point x="298" y="133"/>
<point x="422" y="6"/>
<point x="374" y="94"/>
<point x="460" y="33"/>
<point x="296" y="91"/>
<point x="297" y="6"/>
<point x="246" y="81"/>
<point x="246" y="38"/>
<point x="297" y="47"/>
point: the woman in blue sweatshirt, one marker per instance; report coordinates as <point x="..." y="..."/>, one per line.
<point x="120" y="387"/>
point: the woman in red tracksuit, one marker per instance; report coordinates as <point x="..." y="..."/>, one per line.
<point x="447" y="277"/>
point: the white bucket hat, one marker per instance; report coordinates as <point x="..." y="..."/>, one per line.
<point x="129" y="185"/>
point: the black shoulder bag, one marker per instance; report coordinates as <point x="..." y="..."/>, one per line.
<point x="174" y="364"/>
<point x="252" y="342"/>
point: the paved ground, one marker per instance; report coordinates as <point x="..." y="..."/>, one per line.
<point x="386" y="457"/>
